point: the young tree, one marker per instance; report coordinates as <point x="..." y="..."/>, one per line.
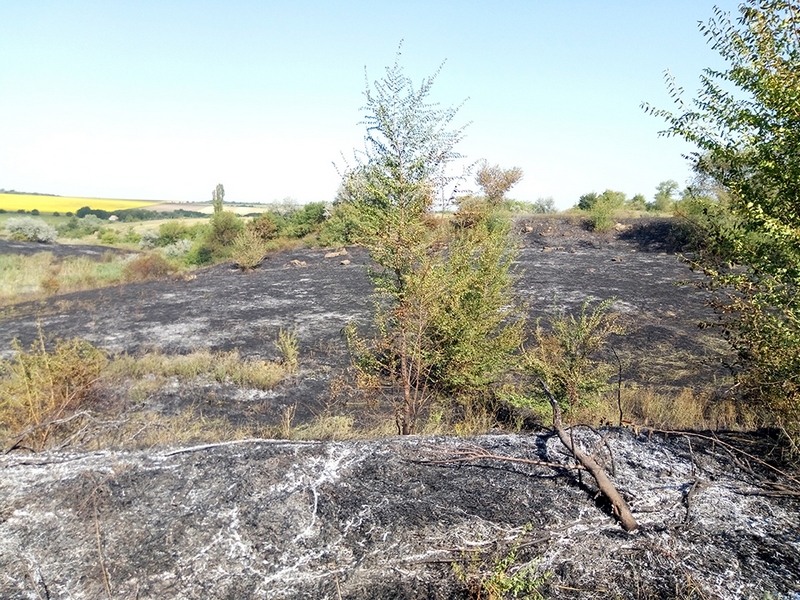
<point x="217" y="196"/>
<point x="447" y="321"/>
<point x="745" y="124"/>
<point x="495" y="182"/>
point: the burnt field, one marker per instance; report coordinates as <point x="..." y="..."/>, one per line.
<point x="561" y="266"/>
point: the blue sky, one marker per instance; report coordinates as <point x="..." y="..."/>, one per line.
<point x="165" y="99"/>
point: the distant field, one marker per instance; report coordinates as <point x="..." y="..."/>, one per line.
<point x="47" y="204"/>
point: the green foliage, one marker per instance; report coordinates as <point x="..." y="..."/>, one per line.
<point x="504" y="578"/>
<point x="264" y="226"/>
<point x="587" y="201"/>
<point x="225" y="226"/>
<point x="744" y="122"/>
<point x="343" y="227"/>
<point x="171" y="232"/>
<point x="568" y="357"/>
<point x="289" y="347"/>
<point x="638" y="202"/>
<point x="30" y="230"/>
<point x="109" y="236"/>
<point x="446" y="318"/>
<point x="217" y="197"/>
<point x="664" y="197"/>
<point x="80" y="227"/>
<point x="601" y="216"/>
<point x="306" y="220"/>
<point x="475" y="323"/>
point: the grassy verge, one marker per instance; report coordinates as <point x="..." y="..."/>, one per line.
<point x="40" y="275"/>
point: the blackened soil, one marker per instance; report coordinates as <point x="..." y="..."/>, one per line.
<point x="561" y="266"/>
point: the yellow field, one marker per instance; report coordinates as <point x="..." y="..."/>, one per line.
<point x="62" y="204"/>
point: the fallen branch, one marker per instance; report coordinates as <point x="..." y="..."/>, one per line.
<point x="730" y="448"/>
<point x="476" y="453"/>
<point x="620" y="507"/>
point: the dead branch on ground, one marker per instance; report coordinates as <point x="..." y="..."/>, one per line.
<point x="620" y="507"/>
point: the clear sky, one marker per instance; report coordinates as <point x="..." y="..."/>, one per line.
<point x="164" y="99"/>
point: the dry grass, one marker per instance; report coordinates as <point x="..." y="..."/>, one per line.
<point x="40" y="390"/>
<point x="217" y="366"/>
<point x="42" y="274"/>
<point x="668" y="408"/>
<point x="48" y="397"/>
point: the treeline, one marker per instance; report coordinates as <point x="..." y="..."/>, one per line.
<point x="129" y="215"/>
<point x="2" y="191"/>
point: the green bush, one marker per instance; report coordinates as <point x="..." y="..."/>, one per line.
<point x="109" y="236"/>
<point x="568" y="358"/>
<point x="264" y="226"/>
<point x="31" y="230"/>
<point x="343" y="226"/>
<point x="306" y="220"/>
<point x="225" y="226"/>
<point x="171" y="232"/>
<point x="601" y="215"/>
<point x="80" y="227"/>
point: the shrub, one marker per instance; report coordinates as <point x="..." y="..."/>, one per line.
<point x="35" y="212"/>
<point x="289" y="348"/>
<point x="601" y="216"/>
<point x="149" y="266"/>
<point x="131" y="237"/>
<point x="178" y="249"/>
<point x="148" y="239"/>
<point x="264" y="226"/>
<point x="225" y="226"/>
<point x="248" y="250"/>
<point x="306" y="220"/>
<point x="56" y="213"/>
<point x="567" y="358"/>
<point x="38" y="387"/>
<point x="69" y="213"/>
<point x="342" y="227"/>
<point x="80" y="227"/>
<point x="31" y="230"/>
<point x="171" y="232"/>
<point x="108" y="236"/>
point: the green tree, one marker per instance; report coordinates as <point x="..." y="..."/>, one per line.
<point x="664" y="197"/>
<point x="586" y="202"/>
<point x="638" y="202"/>
<point x="745" y="124"/>
<point x="447" y="319"/>
<point x="217" y="196"/>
